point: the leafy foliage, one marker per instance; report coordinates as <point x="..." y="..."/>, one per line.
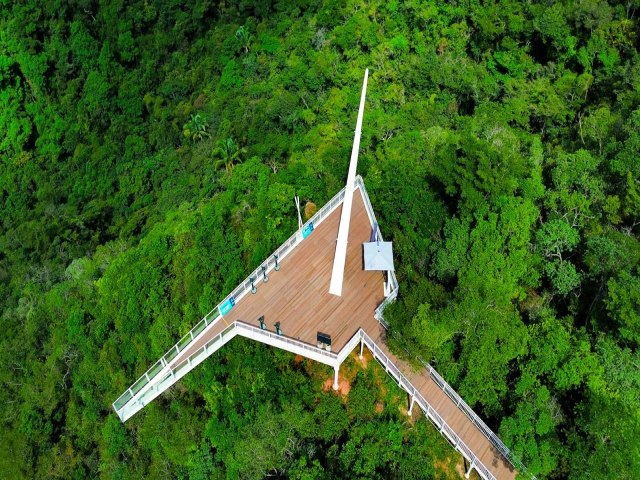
<point x="149" y="153"/>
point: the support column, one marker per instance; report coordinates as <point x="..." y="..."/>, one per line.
<point x="361" y="348"/>
<point x="335" y="378"/>
<point x="468" y="472"/>
<point x="413" y="400"/>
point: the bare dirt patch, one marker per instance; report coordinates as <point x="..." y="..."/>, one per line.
<point x="344" y="386"/>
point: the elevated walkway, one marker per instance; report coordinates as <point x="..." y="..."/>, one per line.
<point x="295" y="295"/>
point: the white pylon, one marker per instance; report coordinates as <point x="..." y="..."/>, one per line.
<point x="337" y="274"/>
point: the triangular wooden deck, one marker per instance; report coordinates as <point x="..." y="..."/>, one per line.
<point x="297" y="296"/>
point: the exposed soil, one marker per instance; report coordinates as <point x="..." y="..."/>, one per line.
<point x="344" y="386"/>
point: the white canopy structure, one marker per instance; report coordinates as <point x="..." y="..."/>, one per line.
<point x="378" y="256"/>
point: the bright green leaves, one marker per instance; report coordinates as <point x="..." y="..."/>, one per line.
<point x="231" y="76"/>
<point x="226" y="152"/>
<point x="531" y="430"/>
<point x="478" y="170"/>
<point x="490" y="259"/>
<point x="623" y="304"/>
<point x="608" y="438"/>
<point x="269" y="44"/>
<point x="559" y="358"/>
<point x="598" y="126"/>
<point x="559" y="353"/>
<point x="578" y="189"/>
<point x="555" y="239"/>
<point x="200" y="462"/>
<point x="620" y="373"/>
<point x="626" y="159"/>
<point x="96" y="99"/>
<point x="16" y="128"/>
<point x="196" y="128"/>
<point x="399" y="45"/>
<point x="331" y="417"/>
<point x="453" y="253"/>
<point x="551" y="22"/>
<point x="563" y="276"/>
<point x="632" y="199"/>
<point x="489" y="243"/>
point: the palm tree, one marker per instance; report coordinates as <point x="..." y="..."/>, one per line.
<point x="196" y="128"/>
<point x="244" y="36"/>
<point x="227" y="153"/>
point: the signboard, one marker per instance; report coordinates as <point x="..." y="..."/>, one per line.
<point x="324" y="338"/>
<point x="306" y="231"/>
<point x="226" y="306"/>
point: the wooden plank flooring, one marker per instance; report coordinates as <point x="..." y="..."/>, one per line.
<point x="298" y="297"/>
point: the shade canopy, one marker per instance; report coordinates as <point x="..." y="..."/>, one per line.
<point x="378" y="256"/>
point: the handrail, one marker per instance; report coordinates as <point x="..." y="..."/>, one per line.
<point x="426" y="406"/>
<point x="274" y="336"/>
<point x="473" y="416"/>
<point x="464" y="407"/>
<point x="392" y="276"/>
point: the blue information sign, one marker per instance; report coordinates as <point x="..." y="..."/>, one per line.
<point x="306" y="231"/>
<point x="226" y="306"/>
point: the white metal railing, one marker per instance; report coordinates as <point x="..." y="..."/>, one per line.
<point x="250" y="331"/>
<point x="394" y="371"/>
<point x="392" y="276"/>
<point x="166" y="364"/>
<point x="379" y="314"/>
<point x="273" y="338"/>
<point x="285" y="248"/>
<point x="379" y="311"/>
<point x="475" y="419"/>
<point x="464" y="407"/>
<point x="237" y="293"/>
<point x="426" y="406"/>
<point x="165" y="360"/>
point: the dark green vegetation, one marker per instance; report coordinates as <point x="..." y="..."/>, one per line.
<point x="149" y="155"/>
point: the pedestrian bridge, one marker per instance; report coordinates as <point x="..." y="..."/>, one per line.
<point x="290" y="288"/>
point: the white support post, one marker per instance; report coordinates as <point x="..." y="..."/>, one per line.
<point x="337" y="274"/>
<point x="335" y="377"/>
<point x="468" y="472"/>
<point x="361" y="348"/>
<point x="413" y="400"/>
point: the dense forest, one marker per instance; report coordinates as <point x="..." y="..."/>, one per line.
<point x="149" y="154"/>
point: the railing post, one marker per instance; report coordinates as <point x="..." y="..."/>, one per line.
<point x="468" y="472"/>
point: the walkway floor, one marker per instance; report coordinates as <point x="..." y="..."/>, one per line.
<point x="298" y="297"/>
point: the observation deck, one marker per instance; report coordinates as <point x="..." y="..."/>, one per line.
<point x="296" y="295"/>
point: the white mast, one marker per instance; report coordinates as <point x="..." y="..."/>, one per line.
<point x="337" y="274"/>
<point x="297" y="200"/>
